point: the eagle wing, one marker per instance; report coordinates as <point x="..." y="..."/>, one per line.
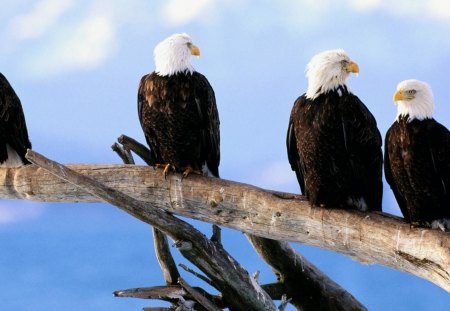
<point x="13" y="128"/>
<point x="430" y="172"/>
<point x="209" y="115"/>
<point x="388" y="145"/>
<point x="360" y="130"/>
<point x="291" y="144"/>
<point x="440" y="152"/>
<point x="146" y="99"/>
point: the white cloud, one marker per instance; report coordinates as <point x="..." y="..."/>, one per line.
<point x="68" y="36"/>
<point x="434" y="10"/>
<point x="45" y="14"/>
<point x="437" y="10"/>
<point x="84" y="45"/>
<point x="15" y="212"/>
<point x="366" y="5"/>
<point x="181" y="12"/>
<point x="87" y="45"/>
<point x="57" y="36"/>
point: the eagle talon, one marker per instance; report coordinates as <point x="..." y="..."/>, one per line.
<point x="414" y="224"/>
<point x="165" y="167"/>
<point x="189" y="170"/>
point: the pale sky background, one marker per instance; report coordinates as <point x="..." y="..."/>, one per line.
<point x="76" y="66"/>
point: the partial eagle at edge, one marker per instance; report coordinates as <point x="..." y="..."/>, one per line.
<point x="14" y="140"/>
<point x="417" y="158"/>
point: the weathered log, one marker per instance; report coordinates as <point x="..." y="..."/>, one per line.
<point x="306" y="286"/>
<point x="161" y="245"/>
<point x="369" y="238"/>
<point x="237" y="287"/>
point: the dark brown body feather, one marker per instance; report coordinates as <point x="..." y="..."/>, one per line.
<point x="180" y="120"/>
<point x="13" y="129"/>
<point x="334" y="147"/>
<point x="417" y="167"/>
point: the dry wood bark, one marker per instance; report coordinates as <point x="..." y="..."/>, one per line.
<point x="165" y="259"/>
<point x="369" y="238"/>
<point x="306" y="286"/>
<point x="161" y="245"/>
<point x="167" y="293"/>
<point x="205" y="302"/>
<point x="239" y="290"/>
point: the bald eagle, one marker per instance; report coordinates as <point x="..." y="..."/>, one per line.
<point x="417" y="158"/>
<point x="333" y="142"/>
<point x="177" y="111"/>
<point x="14" y="140"/>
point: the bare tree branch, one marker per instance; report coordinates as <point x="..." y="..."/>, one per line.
<point x="142" y="151"/>
<point x="205" y="302"/>
<point x="122" y="153"/>
<point x="307" y="286"/>
<point x="370" y="238"/>
<point x="162" y="250"/>
<point x="239" y="290"/>
<point x="284" y="302"/>
<point x="169" y="292"/>
<point x="200" y="276"/>
<point x="165" y="259"/>
<point x="217" y="234"/>
<point x="166" y="293"/>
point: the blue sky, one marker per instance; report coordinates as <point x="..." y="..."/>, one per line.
<point x="76" y="66"/>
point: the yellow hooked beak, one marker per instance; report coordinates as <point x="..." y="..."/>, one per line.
<point x="353" y="67"/>
<point x="398" y="95"/>
<point x="194" y="50"/>
<point x="402" y="95"/>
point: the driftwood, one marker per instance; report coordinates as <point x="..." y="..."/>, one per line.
<point x="239" y="290"/>
<point x="160" y="242"/>
<point x="308" y="287"/>
<point x="209" y="256"/>
<point x="369" y="238"/>
<point x="302" y="282"/>
<point x="167" y="293"/>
